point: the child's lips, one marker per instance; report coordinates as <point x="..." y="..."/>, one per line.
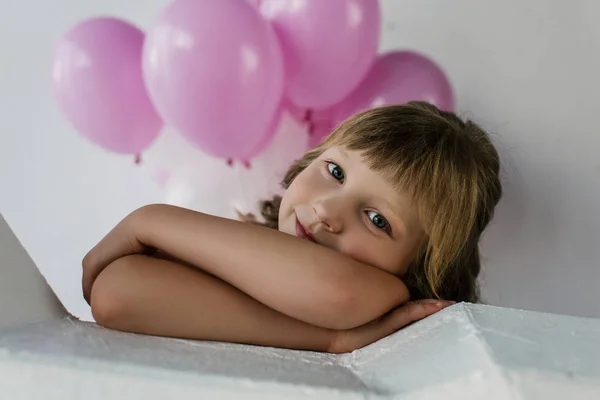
<point x="302" y="233"/>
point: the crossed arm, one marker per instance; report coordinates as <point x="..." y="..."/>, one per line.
<point x="226" y="280"/>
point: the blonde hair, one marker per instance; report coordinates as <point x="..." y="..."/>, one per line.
<point x="451" y="169"/>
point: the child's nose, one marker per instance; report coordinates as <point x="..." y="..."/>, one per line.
<point x="330" y="214"/>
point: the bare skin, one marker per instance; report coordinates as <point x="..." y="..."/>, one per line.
<point x="296" y="277"/>
<point x="148" y="295"/>
<point x="130" y="291"/>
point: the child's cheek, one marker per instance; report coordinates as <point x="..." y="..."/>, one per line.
<point x="308" y="184"/>
<point x="356" y="246"/>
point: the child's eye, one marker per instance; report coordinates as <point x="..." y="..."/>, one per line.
<point x="336" y="171"/>
<point x="379" y="220"/>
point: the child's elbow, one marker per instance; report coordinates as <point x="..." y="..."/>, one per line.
<point x="106" y="311"/>
<point x="109" y="301"/>
<point x="345" y="310"/>
<point x="353" y="306"/>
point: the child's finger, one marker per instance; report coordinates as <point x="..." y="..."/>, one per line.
<point x="388" y="324"/>
<point x="413" y="311"/>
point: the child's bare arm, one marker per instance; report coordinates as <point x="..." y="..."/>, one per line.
<point x="143" y="294"/>
<point x="296" y="277"/>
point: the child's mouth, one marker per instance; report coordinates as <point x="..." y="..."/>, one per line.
<point x="302" y="233"/>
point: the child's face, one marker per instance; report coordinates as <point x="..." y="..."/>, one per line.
<point x="340" y="203"/>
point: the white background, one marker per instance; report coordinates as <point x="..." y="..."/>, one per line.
<point x="526" y="71"/>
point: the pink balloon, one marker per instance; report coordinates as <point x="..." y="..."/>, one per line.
<point x="98" y="84"/>
<point x="266" y="139"/>
<point x="298" y="113"/>
<point x="323" y="117"/>
<point x="301" y="115"/>
<point x="318" y="133"/>
<point x="328" y="46"/>
<point x="320" y="126"/>
<point x="215" y="73"/>
<point x="396" y="78"/>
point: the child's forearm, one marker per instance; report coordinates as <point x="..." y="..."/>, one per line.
<point x="298" y="278"/>
<point x="142" y="294"/>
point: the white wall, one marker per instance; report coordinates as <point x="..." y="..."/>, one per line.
<point x="527" y="71"/>
<point x="524" y="70"/>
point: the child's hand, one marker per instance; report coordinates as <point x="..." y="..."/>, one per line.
<point x="352" y="339"/>
<point x="119" y="242"/>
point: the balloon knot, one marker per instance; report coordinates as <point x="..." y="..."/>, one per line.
<point x="138" y="159"/>
<point x="308" y="115"/>
<point x="247" y="164"/>
<point x="230" y="162"/>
